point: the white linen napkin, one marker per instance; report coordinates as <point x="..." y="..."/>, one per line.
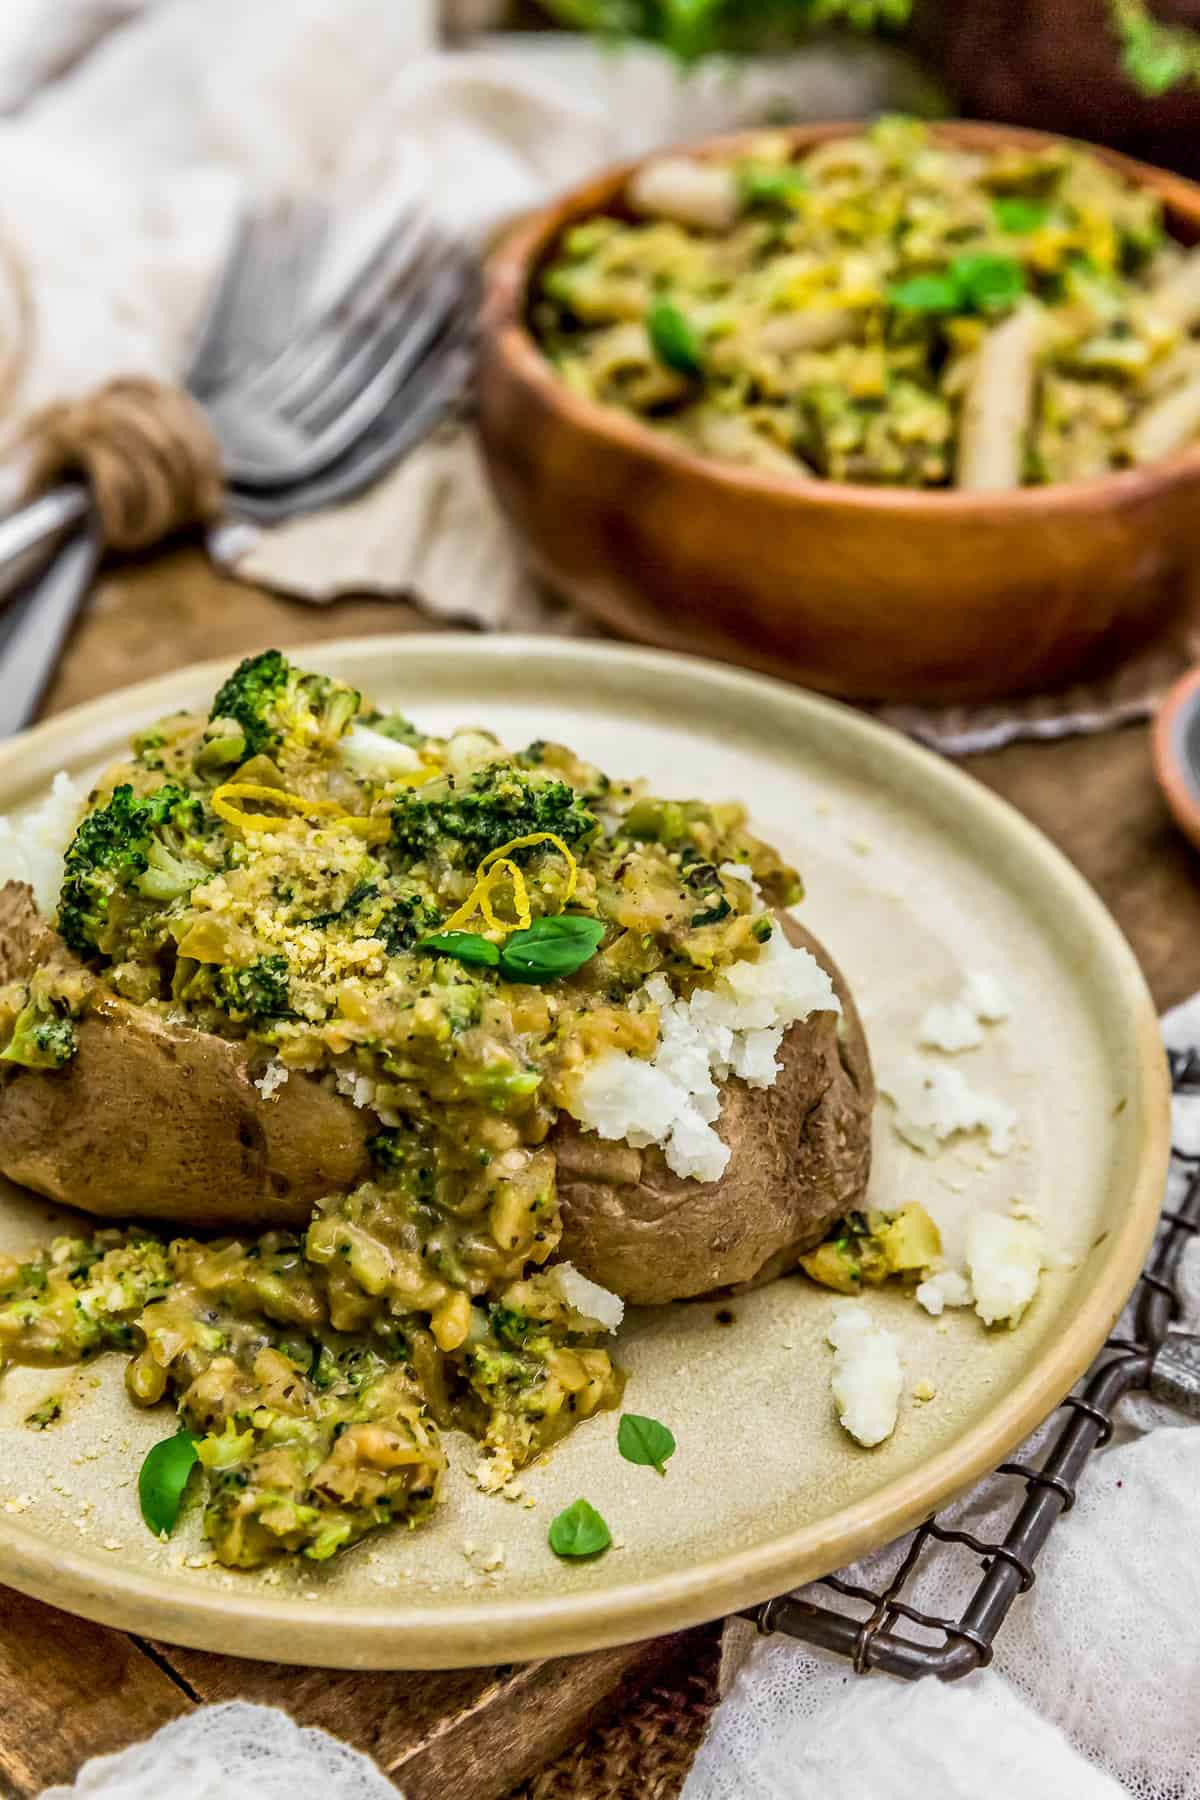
<point x="232" y="1752"/>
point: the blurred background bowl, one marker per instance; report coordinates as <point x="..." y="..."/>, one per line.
<point x="869" y="593"/>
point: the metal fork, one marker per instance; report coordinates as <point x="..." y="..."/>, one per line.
<point x="270" y="265"/>
<point x="305" y="417"/>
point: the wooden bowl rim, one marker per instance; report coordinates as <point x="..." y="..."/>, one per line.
<point x="507" y="337"/>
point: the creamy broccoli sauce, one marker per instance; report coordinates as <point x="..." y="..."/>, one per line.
<point x="273" y="874"/>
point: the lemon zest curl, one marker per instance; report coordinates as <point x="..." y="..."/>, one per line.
<point x="374" y="831"/>
<point x="497" y="865"/>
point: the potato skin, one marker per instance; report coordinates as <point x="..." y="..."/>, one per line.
<point x="801" y="1158"/>
<point x="26" y="940"/>
<point x="158" y="1121"/>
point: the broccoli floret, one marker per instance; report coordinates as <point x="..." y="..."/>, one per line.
<point x="494" y="805"/>
<point x="394" y="725"/>
<point x="146" y="846"/>
<point x="257" y="990"/>
<point x="260" y="990"/>
<point x="40" y="1039"/>
<point x="513" y="1327"/>
<point x="406" y="918"/>
<point x="276" y="706"/>
<point x="407" y="1150"/>
<point x="148" y="747"/>
<point x="390" y="1149"/>
<point x="397" y="919"/>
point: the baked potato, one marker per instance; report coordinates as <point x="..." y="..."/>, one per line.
<point x="157" y="1120"/>
<point x="394" y="1009"/>
<point x="801" y="1158"/>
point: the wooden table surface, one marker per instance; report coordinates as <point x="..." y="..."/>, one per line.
<point x="69" y="1690"/>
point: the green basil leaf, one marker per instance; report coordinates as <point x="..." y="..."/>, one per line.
<point x="925" y="293"/>
<point x="645" y="1441"/>
<point x="162" y="1479"/>
<point x="673" y="340"/>
<point x="1156" y="57"/>
<point x="1017" y="213"/>
<point x="579" y="1531"/>
<point x="467" y="946"/>
<point x="550" y="947"/>
<point x="762" y="184"/>
<point x="985" y="281"/>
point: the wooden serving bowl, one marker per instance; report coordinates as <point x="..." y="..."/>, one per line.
<point x="870" y="593"/>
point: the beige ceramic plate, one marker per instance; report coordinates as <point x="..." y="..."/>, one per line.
<point x="915" y="874"/>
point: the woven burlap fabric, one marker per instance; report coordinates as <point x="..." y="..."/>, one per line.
<point x="643" y="1750"/>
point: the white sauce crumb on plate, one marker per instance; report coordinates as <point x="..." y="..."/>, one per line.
<point x="1005" y="1257"/>
<point x="950" y="1026"/>
<point x="867" y="1373"/>
<point x="946" y="1288"/>
<point x="957" y="1025"/>
<point x="934" y="1104"/>
<point x="986" y="997"/>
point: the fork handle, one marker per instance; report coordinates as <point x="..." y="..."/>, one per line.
<point x="35" y="626"/>
<point x="34" y="524"/>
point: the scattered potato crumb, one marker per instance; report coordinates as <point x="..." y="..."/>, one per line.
<point x="19" y="1503"/>
<point x="923" y="1391"/>
<point x="113" y="1544"/>
<point x="934" y="1103"/>
<point x="492" y="1474"/>
<point x="867" y="1373"/>
<point x="950" y="1026"/>
<point x="986" y="997"/>
<point x="1005" y="1257"/>
<point x="271" y="1079"/>
<point x="618" y="1542"/>
<point x="946" y="1288"/>
<point x="593" y="1304"/>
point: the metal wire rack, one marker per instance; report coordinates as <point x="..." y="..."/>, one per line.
<point x="885" y="1634"/>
